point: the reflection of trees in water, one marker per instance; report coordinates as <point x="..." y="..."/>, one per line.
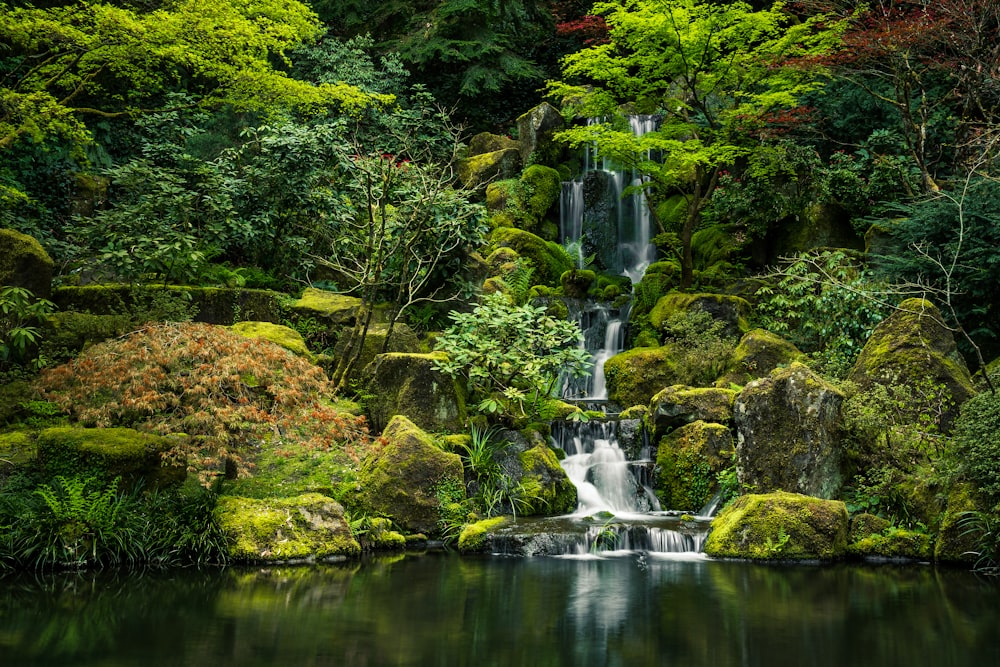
<point x="442" y="609"/>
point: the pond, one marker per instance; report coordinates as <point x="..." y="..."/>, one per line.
<point x="441" y="609"/>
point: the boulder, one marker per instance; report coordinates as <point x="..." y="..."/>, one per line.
<point x="476" y="171"/>
<point x="912" y="347"/>
<point x="24" y="263"/>
<point x="633" y="377"/>
<point x="787" y="433"/>
<point x="757" y="354"/>
<point x="688" y="461"/>
<point x="536" y="127"/>
<point x="286" y="337"/>
<point x="545" y="487"/>
<point x="487" y="142"/>
<point x="779" y="526"/>
<point x="307" y="527"/>
<point x="473" y="535"/>
<point x="549" y="259"/>
<point x="398" y="479"/>
<point x="401" y="383"/>
<point x="403" y="340"/>
<point x="956" y="543"/>
<point x="327" y="307"/>
<point x="108" y="453"/>
<point x="732" y="310"/>
<point x="679" y="404"/>
<point x="872" y="536"/>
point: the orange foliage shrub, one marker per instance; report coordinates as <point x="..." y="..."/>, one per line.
<point x="229" y="393"/>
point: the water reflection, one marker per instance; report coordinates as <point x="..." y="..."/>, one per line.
<point x="443" y="610"/>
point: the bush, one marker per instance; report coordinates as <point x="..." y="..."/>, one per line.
<point x="977" y="436"/>
<point x="227" y="392"/>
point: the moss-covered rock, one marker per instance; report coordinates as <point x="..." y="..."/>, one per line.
<point x="382" y="537"/>
<point x="788" y="433"/>
<point x="874" y="537"/>
<point x="108" y="453"/>
<point x="535" y="129"/>
<point x="17" y="448"/>
<point x="398" y="479"/>
<point x="487" y="142"/>
<point x="542" y="187"/>
<point x="409" y="384"/>
<point x="473" y="535"/>
<point x="286" y="337"/>
<point x="310" y="526"/>
<point x="403" y="339"/>
<point x="576" y="282"/>
<point x="70" y="332"/>
<point x="549" y="259"/>
<point x="779" y="526"/>
<point x="912" y="347"/>
<point x="688" y="461"/>
<point x="24" y="263"/>
<point x="545" y="488"/>
<point x="732" y="310"/>
<point x="477" y="170"/>
<point x="635" y="376"/>
<point x="757" y="354"/>
<point x="142" y="303"/>
<point x="956" y="543"/>
<point x="679" y="404"/>
<point x="327" y="307"/>
<point x="819" y="225"/>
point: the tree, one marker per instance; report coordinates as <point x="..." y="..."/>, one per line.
<point x="711" y="72"/>
<point x="511" y="356"/>
<point x="98" y="60"/>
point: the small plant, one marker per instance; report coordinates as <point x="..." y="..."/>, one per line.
<point x="453" y="509"/>
<point x="607" y="537"/>
<point x="984" y="528"/>
<point x="776" y="546"/>
<point x="699" y="346"/>
<point x="82" y="516"/>
<point x="20" y="312"/>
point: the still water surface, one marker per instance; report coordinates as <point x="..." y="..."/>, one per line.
<point x="439" y="609"/>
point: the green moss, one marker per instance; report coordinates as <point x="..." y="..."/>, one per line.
<point x="473" y="535"/>
<point x="286" y="337"/>
<point x="478" y="170"/>
<point x="778" y="526"/>
<point x="955" y="543"/>
<point x="545" y="487"/>
<point x="731" y="309"/>
<point x="893" y="543"/>
<point x="487" y="142"/>
<point x="70" y="332"/>
<point x="687" y="463"/>
<point x="679" y="404"/>
<point x="107" y="452"/>
<point x="543" y="186"/>
<point x="758" y="353"/>
<point x="500" y="193"/>
<point x="327" y="306"/>
<point x="16" y="449"/>
<point x="278" y="529"/>
<point x="24" y="263"/>
<point x="576" y="282"/>
<point x="634" y="376"/>
<point x="549" y="259"/>
<point x="409" y="384"/>
<point x="381" y="535"/>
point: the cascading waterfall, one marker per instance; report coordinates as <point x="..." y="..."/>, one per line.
<point x="596" y="218"/>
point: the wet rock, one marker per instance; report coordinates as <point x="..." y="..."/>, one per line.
<point x="688" y="461"/>
<point x="635" y="376"/>
<point x="779" y="526"/>
<point x="679" y="404"/>
<point x="757" y="354"/>
<point x="787" y="433"/>
<point x="536" y="127"/>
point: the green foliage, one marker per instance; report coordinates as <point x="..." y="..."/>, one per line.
<point x="20" y="312"/>
<point x="824" y="304"/>
<point x="984" y="527"/>
<point x="453" y="508"/>
<point x="698" y="346"/>
<point x="511" y="356"/>
<point x="977" y="441"/>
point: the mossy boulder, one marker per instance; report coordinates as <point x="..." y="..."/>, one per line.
<point x="487" y="142"/>
<point x="476" y="171"/>
<point x="874" y="537"/>
<point x="788" y="435"/>
<point x="109" y="453"/>
<point x="327" y="307"/>
<point x="17" y="449"/>
<point x="545" y="487"/>
<point x="142" y="303"/>
<point x="542" y="187"/>
<point x="473" y="535"/>
<point x="381" y="535"/>
<point x="732" y="310"/>
<point x="409" y="384"/>
<point x="535" y="129"/>
<point x="398" y="479"/>
<point x="24" y="263"/>
<point x="307" y="527"/>
<point x="819" y="225"/>
<point x="779" y="526"/>
<point x="576" y="282"/>
<point x="757" y="354"/>
<point x="913" y="347"/>
<point x="679" y="404"/>
<point x="687" y="462"/>
<point x="286" y="337"/>
<point x="403" y="339"/>
<point x="635" y="376"/>
<point x="956" y="543"/>
<point x="550" y="260"/>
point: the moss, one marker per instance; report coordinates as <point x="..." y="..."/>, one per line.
<point x="327" y="306"/>
<point x="893" y="543"/>
<point x="712" y="247"/>
<point x="381" y="535"/>
<point x="473" y="536"/>
<point x="758" y="353"/>
<point x="16" y="449"/>
<point x="286" y="337"/>
<point x="730" y="309"/>
<point x="310" y="526"/>
<point x="672" y="212"/>
<point x="403" y="340"/>
<point x="543" y="187"/>
<point x="634" y="376"/>
<point x="688" y="461"/>
<point x="398" y="479"/>
<point x="478" y="170"/>
<point x="67" y="333"/>
<point x="486" y="142"/>
<point x="549" y="259"/>
<point x="779" y="526"/>
<point x="955" y="543"/>
<point x="545" y="487"/>
<point x="679" y="404"/>
<point x="410" y="384"/>
<point x="576" y="282"/>
<point x="500" y="193"/>
<point x="24" y="263"/>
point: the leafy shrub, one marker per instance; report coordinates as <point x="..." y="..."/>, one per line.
<point x="226" y="391"/>
<point x="697" y="345"/>
<point x="977" y="438"/>
<point x="19" y="312"/>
